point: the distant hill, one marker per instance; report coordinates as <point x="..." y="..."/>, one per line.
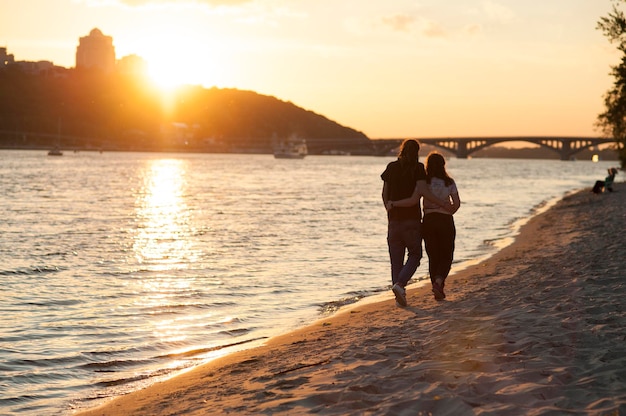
<point x="81" y="109"/>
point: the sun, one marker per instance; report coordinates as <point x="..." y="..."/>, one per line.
<point x="181" y="69"/>
<point x="165" y="76"/>
<point x="174" y="57"/>
<point x="173" y="62"/>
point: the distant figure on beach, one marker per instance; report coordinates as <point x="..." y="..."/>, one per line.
<point x="403" y="178"/>
<point x="607" y="184"/>
<point x="438" y="227"/>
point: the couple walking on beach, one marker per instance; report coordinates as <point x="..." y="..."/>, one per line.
<point x="406" y="182"/>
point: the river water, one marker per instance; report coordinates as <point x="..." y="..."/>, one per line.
<point x="120" y="269"/>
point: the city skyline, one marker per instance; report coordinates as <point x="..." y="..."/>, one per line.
<point x="407" y="69"/>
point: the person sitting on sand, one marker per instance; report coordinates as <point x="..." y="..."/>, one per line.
<point x="438" y="224"/>
<point x="606" y="184"/>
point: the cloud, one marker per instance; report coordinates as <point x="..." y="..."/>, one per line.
<point x="407" y="23"/>
<point x="473" y="29"/>
<point x="399" y="22"/>
<point x="433" y="29"/>
<point x="496" y="11"/>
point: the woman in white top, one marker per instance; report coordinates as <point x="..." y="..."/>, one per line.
<point x="438" y="224"/>
<point x="438" y="228"/>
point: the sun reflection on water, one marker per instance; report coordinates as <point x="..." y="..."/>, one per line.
<point x="162" y="239"/>
<point x="163" y="247"/>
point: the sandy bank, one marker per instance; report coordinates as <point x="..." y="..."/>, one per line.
<point x="537" y="329"/>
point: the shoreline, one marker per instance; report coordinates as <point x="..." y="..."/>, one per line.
<point x="536" y="328"/>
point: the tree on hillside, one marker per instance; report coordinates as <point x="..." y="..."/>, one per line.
<point x="613" y="120"/>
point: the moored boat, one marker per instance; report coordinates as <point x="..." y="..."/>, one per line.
<point x="293" y="148"/>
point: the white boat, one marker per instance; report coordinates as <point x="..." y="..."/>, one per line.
<point x="293" y="148"/>
<point x="55" y="152"/>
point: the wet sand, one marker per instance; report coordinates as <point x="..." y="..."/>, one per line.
<point x="537" y="329"/>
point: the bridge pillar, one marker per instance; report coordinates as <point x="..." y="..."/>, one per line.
<point x="565" y="149"/>
<point x="461" y="149"/>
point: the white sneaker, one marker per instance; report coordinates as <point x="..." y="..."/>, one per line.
<point x="400" y="294"/>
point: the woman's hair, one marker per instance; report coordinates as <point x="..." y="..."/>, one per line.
<point x="436" y="168"/>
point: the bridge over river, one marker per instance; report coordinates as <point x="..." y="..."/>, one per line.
<point x="462" y="147"/>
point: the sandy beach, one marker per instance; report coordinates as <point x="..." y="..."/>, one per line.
<point x="537" y="329"/>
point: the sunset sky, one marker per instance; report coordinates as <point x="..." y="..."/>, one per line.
<point x="389" y="68"/>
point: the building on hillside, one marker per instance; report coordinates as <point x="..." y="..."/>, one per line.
<point x="96" y="51"/>
<point x="5" y="59"/>
<point x="30" y="67"/>
<point x="132" y="64"/>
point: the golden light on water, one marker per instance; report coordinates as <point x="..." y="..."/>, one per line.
<point x="163" y="217"/>
<point x="162" y="246"/>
